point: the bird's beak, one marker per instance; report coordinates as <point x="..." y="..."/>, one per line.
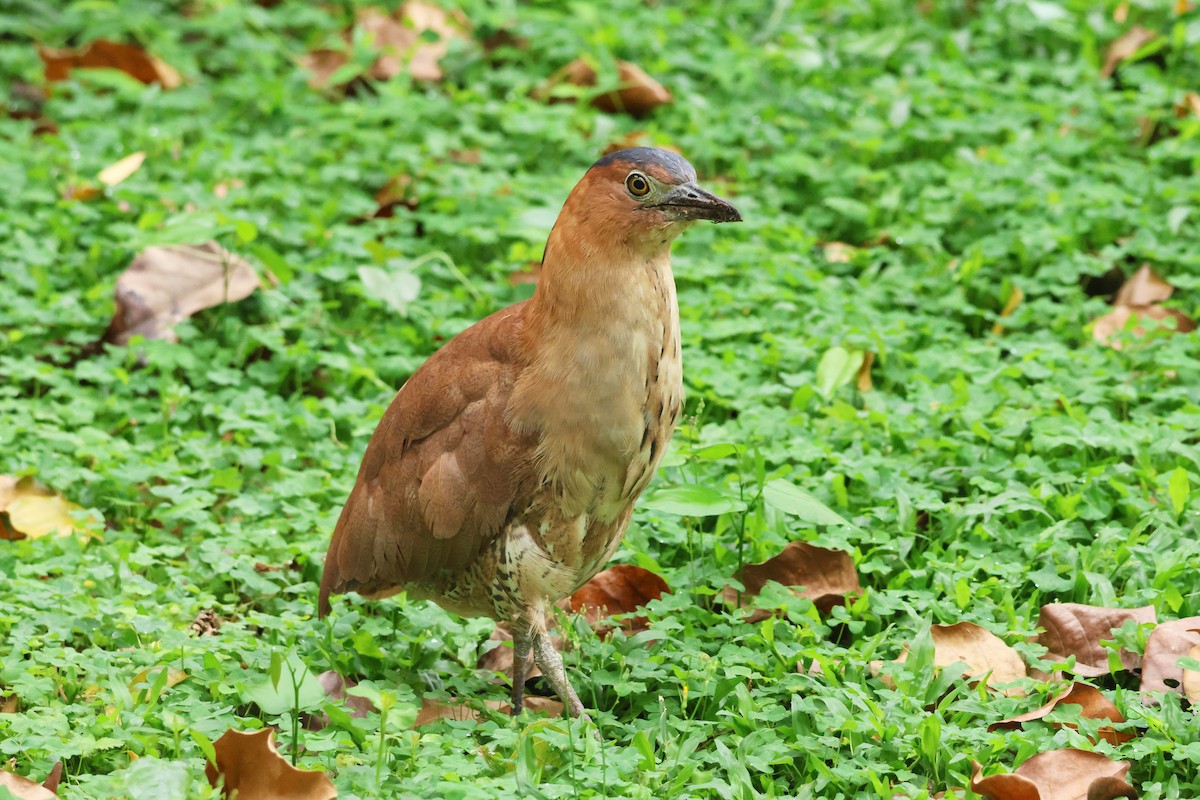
<point x="687" y="202"/>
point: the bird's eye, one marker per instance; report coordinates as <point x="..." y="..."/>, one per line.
<point x="637" y="184"/>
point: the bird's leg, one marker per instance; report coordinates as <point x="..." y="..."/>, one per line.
<point x="522" y="643"/>
<point x="550" y="662"/>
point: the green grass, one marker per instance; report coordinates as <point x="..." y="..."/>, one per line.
<point x="985" y="474"/>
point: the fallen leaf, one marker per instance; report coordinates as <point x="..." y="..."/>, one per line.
<point x="100" y="54"/>
<point x="863" y="381"/>
<point x="10" y="704"/>
<point x="206" y="623"/>
<point x="30" y="510"/>
<point x="1057" y="775"/>
<point x="1073" y="629"/>
<point x="620" y="589"/>
<point x="119" y="171"/>
<point x="1191" y="678"/>
<point x="434" y="710"/>
<point x="839" y="252"/>
<point x="1093" y="705"/>
<point x="165" y="285"/>
<point x="1104" y="328"/>
<point x="1167" y="643"/>
<point x="335" y="687"/>
<point x="636" y="93"/>
<point x="1124" y="47"/>
<point x="981" y="650"/>
<point x="1144" y="288"/>
<point x="1014" y="299"/>
<point x="150" y="676"/>
<point x="499" y="658"/>
<point x="251" y="767"/>
<point x="827" y="577"/>
<point x="398" y="41"/>
<point x="1189" y="106"/>
<point x="527" y="274"/>
<point x="25" y="789"/>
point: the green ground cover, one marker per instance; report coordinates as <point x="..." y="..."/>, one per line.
<point x="967" y="150"/>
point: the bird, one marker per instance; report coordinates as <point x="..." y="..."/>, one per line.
<point x="504" y="473"/>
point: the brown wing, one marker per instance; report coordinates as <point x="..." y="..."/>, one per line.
<point x="443" y="471"/>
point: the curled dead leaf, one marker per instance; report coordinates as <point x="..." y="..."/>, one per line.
<point x="1057" y="775"/>
<point x="1093" y="705"/>
<point x="206" y="623"/>
<point x="30" y="510"/>
<point x="1189" y="106"/>
<point x="120" y="170"/>
<point x="252" y="769"/>
<point x="334" y="686"/>
<point x="1073" y="629"/>
<point x="528" y="274"/>
<point x="863" y="381"/>
<point x="165" y="285"/>
<point x="1014" y="299"/>
<point x="398" y="41"/>
<point x="1144" y="288"/>
<point x="10" y="704"/>
<point x="25" y="789"/>
<point x="839" y="252"/>
<point x="1167" y="643"/>
<point x="434" y="710"/>
<point x="1124" y="47"/>
<point x="620" y="589"/>
<point x="498" y="657"/>
<point x="826" y="576"/>
<point x="636" y="93"/>
<point x="1104" y="328"/>
<point x="103" y="54"/>
<point x="981" y="650"/>
<point x="1190" y="685"/>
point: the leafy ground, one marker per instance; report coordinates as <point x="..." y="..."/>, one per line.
<point x="966" y="150"/>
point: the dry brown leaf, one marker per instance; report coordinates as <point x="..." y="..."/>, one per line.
<point x="1190" y="685"/>
<point x="397" y="39"/>
<point x="165" y="285"/>
<point x="863" y="381"/>
<point x="10" y="704"/>
<point x="636" y="94"/>
<point x="250" y="765"/>
<point x="500" y="657"/>
<point x="29" y="509"/>
<point x="1014" y="299"/>
<point x="528" y="274"/>
<point x="1124" y="47"/>
<point x="335" y="686"/>
<point x="1093" y="703"/>
<point x="838" y="252"/>
<point x="1144" y="288"/>
<point x="130" y="59"/>
<point x="206" y="623"/>
<point x="1188" y="106"/>
<point x="1104" y="328"/>
<point x="434" y="710"/>
<point x="1057" y="775"/>
<point x="1073" y="629"/>
<point x="26" y="789"/>
<point x="119" y="171"/>
<point x="620" y="589"/>
<point x="144" y="679"/>
<point x="1166" y="644"/>
<point x="827" y="576"/>
<point x="981" y="650"/>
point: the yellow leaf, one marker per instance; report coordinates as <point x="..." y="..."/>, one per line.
<point x="119" y="171"/>
<point x="31" y="510"/>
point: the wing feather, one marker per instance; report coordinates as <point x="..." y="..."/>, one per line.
<point x="443" y="472"/>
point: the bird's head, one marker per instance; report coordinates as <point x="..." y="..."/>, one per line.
<point x="642" y="197"/>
